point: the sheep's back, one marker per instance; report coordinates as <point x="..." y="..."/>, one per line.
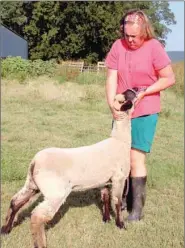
<point x="85" y="165"/>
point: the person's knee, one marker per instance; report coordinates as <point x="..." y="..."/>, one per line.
<point x="138" y="170"/>
<point x="138" y="167"/>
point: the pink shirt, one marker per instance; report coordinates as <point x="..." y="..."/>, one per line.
<point x="138" y="68"/>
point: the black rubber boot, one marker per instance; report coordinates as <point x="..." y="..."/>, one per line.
<point x="138" y="189"/>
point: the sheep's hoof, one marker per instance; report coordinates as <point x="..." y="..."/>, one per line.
<point x="106" y="219"/>
<point x="121" y="225"/>
<point x="5" y="230"/>
<point x="36" y="246"/>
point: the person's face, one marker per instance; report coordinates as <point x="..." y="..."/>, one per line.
<point x="133" y="36"/>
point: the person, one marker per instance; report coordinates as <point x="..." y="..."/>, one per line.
<point x="138" y="60"/>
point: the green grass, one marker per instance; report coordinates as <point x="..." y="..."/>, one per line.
<point x="45" y="113"/>
<point x="179" y="74"/>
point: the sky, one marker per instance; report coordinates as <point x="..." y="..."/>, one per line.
<point x="175" y="39"/>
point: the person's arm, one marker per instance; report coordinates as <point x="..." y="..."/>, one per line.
<point x="166" y="79"/>
<point x="111" y="86"/>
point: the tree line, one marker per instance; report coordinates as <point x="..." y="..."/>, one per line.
<point x="77" y="30"/>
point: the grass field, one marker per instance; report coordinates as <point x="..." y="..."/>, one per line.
<point x="44" y="113"/>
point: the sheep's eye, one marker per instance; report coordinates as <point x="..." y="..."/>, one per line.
<point x="121" y="102"/>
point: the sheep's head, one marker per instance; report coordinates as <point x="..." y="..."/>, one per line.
<point x="124" y="101"/>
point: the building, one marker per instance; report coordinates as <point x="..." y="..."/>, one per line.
<point x="11" y="44"/>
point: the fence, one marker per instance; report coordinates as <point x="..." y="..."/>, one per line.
<point x="76" y="65"/>
<point x="77" y="72"/>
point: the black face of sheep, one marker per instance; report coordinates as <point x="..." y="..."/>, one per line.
<point x="129" y="96"/>
<point x="126" y="106"/>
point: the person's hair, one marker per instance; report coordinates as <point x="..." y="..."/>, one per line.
<point x="144" y="22"/>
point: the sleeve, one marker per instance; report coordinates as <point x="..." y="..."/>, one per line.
<point x="160" y="56"/>
<point x="111" y="60"/>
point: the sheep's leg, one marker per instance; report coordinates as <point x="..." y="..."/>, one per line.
<point x="119" y="219"/>
<point x="26" y="205"/>
<point x="105" y="197"/>
<point x="44" y="213"/>
<point x="17" y="202"/>
<point x="117" y="190"/>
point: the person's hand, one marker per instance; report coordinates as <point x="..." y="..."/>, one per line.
<point x="140" y="96"/>
<point x="117" y="115"/>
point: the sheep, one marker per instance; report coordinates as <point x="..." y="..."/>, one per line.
<point x="56" y="172"/>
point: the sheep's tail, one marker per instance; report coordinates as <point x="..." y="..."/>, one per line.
<point x="30" y="182"/>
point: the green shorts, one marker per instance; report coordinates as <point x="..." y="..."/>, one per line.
<point x="143" y="130"/>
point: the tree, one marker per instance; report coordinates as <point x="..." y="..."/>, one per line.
<point x="77" y="30"/>
<point x="13" y="16"/>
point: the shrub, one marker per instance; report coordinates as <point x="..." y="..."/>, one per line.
<point x="18" y="68"/>
<point x="39" y="67"/>
<point x="15" y="67"/>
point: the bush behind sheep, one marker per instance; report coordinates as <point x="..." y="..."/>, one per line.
<point x="21" y="69"/>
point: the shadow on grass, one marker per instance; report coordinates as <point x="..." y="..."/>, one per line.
<point x="75" y="199"/>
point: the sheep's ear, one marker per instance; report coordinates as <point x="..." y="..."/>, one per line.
<point x="119" y="98"/>
<point x="129" y="94"/>
<point x="127" y="105"/>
